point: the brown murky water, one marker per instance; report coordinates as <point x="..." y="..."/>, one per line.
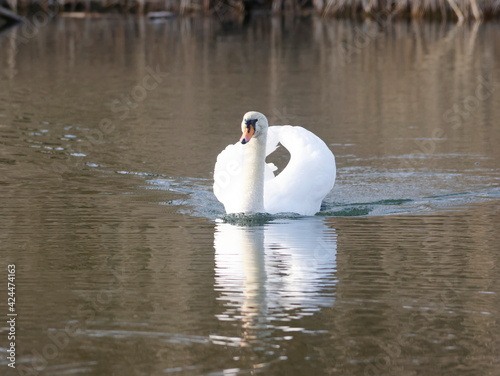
<point x="125" y="264"/>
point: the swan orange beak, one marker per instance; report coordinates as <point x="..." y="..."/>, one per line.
<point x="247" y="134"/>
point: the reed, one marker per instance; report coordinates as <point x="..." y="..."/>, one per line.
<point x="460" y="10"/>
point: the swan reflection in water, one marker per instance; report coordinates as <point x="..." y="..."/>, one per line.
<point x="268" y="275"/>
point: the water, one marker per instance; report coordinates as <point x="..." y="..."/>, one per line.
<point x="125" y="261"/>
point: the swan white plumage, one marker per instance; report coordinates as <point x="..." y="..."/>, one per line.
<point x="244" y="183"/>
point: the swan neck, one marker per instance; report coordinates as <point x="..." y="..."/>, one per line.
<point x="254" y="167"/>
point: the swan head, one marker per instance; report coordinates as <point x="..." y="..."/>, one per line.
<point x="254" y="125"/>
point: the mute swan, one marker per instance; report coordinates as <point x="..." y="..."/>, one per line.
<point x="244" y="183"/>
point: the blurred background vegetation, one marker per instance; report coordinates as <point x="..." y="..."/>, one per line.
<point x="460" y="10"/>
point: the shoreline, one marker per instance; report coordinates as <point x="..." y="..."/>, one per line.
<point x="227" y="10"/>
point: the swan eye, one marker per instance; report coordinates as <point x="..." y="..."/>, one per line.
<point x="251" y="122"/>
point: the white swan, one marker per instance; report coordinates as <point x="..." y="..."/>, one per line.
<point x="244" y="183"/>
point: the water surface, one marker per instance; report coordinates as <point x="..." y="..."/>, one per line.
<point x="126" y="264"/>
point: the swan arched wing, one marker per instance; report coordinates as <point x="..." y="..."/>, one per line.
<point x="308" y="177"/>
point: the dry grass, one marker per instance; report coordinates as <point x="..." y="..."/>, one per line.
<point x="460" y="10"/>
